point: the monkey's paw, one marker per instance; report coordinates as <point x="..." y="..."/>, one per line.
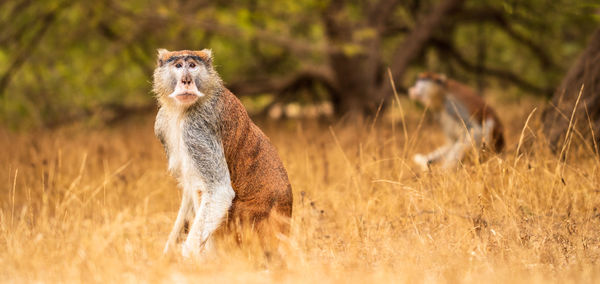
<point x="421" y="161"/>
<point x="190" y="249"/>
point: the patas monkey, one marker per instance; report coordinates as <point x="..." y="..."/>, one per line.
<point x="467" y="121"/>
<point x="228" y="169"/>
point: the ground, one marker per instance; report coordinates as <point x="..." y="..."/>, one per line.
<point x="87" y="203"/>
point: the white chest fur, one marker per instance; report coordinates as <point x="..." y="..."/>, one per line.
<point x="174" y="141"/>
<point x="180" y="161"/>
<point x="206" y="211"/>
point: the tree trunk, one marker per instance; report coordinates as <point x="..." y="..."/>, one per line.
<point x="354" y="61"/>
<point x="355" y="76"/>
<point x="556" y="118"/>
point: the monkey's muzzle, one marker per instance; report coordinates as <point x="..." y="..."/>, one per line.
<point x="185" y="98"/>
<point x="186" y="92"/>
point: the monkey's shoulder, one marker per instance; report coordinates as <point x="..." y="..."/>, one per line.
<point x="471" y="102"/>
<point x="456" y="109"/>
<point x="159" y="125"/>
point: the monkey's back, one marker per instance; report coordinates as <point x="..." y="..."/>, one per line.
<point x="257" y="174"/>
<point x="479" y="109"/>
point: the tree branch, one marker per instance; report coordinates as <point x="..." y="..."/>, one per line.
<point x="414" y="42"/>
<point x="109" y="113"/>
<point x="297" y="46"/>
<point x="282" y="85"/>
<point x="380" y="12"/>
<point x="499" y="19"/>
<point x="25" y="51"/>
<point x="505" y="75"/>
<point x="15" y="13"/>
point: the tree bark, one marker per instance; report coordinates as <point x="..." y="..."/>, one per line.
<point x="586" y="117"/>
<point x="415" y="41"/>
<point x="354" y="62"/>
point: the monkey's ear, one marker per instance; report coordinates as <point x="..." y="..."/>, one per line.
<point x="208" y="53"/>
<point x="161" y="53"/>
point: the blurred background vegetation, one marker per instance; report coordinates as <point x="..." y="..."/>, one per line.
<point x="64" y="61"/>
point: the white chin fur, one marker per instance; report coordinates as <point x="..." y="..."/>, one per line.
<point x="178" y="92"/>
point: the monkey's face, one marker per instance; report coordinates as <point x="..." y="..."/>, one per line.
<point x="184" y="77"/>
<point x="428" y="91"/>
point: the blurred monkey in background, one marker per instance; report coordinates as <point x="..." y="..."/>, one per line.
<point x="467" y="121"/>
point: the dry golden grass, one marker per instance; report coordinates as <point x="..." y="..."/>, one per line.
<point x="96" y="205"/>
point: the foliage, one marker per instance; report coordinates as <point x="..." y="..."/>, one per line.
<point x="68" y="60"/>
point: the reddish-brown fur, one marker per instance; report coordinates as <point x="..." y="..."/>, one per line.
<point x="259" y="179"/>
<point x="478" y="108"/>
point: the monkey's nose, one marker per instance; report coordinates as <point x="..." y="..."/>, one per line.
<point x="186" y="80"/>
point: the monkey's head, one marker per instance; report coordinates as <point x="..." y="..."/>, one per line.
<point x="429" y="90"/>
<point x="184" y="77"/>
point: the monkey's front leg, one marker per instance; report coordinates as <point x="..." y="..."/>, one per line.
<point x="423" y="161"/>
<point x="456" y="153"/>
<point x="214" y="205"/>
<point x="472" y="139"/>
<point x="184" y="210"/>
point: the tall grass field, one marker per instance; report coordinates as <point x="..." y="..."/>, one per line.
<point x="87" y="203"/>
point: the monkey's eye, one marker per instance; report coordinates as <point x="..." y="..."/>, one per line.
<point x="192" y="65"/>
<point x="178" y="65"/>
